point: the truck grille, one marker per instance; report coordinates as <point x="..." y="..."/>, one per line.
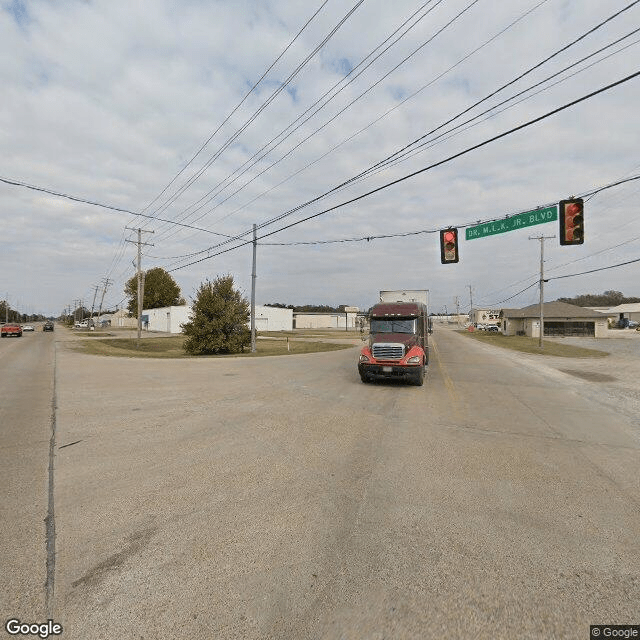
<point x="388" y="351"/>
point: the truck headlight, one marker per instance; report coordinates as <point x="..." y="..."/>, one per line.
<point x="364" y="358"/>
<point x="414" y="359"/>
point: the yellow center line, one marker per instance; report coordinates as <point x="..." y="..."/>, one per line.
<point x="448" y="383"/>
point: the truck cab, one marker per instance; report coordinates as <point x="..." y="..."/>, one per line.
<point x="398" y="345"/>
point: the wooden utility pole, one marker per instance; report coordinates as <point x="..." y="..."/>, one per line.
<point x="93" y="304"/>
<point x="106" y="282"/>
<point x="139" y="274"/>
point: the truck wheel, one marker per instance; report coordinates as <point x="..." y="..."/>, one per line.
<point x="418" y="379"/>
<point x="364" y="377"/>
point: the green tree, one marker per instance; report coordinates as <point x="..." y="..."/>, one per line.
<point x="219" y="319"/>
<point x="160" y="290"/>
<point x="606" y="299"/>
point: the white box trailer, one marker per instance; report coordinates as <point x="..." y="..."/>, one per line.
<point x="406" y="295"/>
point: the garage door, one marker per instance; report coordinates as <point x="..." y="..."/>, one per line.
<point x="570" y="329"/>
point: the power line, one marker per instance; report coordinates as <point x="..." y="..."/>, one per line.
<point x="515" y="295"/>
<point x="459" y="226"/>
<point x="431" y="166"/>
<point x="511" y="82"/>
<point x="239" y="104"/>
<point x="255" y="159"/>
<point x="366" y="171"/>
<point x="375" y="121"/>
<point x="429" y="144"/>
<point x="613" y="266"/>
<point x="341" y="111"/>
<point x="281" y="88"/>
<point x="93" y="203"/>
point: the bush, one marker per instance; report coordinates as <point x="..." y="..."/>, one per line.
<point x="219" y="320"/>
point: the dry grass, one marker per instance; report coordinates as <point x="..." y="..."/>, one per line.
<point x="312" y="333"/>
<point x="171" y="347"/>
<point x="530" y="345"/>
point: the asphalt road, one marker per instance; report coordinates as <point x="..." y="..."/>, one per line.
<point x="282" y="498"/>
<point x="26" y="414"/>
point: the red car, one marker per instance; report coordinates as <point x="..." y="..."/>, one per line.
<point x="11" y="330"/>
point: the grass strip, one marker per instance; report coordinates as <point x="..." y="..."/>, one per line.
<point x="525" y="344"/>
<point x="171" y="347"/>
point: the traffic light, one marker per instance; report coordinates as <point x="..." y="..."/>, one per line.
<point x="571" y="214"/>
<point x="448" y="246"/>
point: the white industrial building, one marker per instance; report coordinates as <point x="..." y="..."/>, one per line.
<point x="330" y="320"/>
<point x="166" y="319"/>
<point x="273" y="319"/>
<point x="169" y="319"/>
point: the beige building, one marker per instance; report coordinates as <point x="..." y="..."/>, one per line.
<point x="123" y="318"/>
<point x="560" y="319"/>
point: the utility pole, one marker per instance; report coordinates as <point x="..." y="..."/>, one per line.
<point x="542" y="239"/>
<point x="139" y="274"/>
<point x="105" y="282"/>
<point x="93" y="304"/>
<point x="457" y="311"/>
<point x="253" y="293"/>
<point x="470" y="303"/>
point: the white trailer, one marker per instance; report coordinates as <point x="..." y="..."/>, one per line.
<point x="406" y="295"/>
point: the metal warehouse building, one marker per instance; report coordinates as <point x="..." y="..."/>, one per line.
<point x="327" y="320"/>
<point x="166" y="319"/>
<point x="169" y="319"/>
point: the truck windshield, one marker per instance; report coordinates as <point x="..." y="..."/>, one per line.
<point x="406" y="325"/>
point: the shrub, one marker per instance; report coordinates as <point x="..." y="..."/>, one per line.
<point x="219" y="319"/>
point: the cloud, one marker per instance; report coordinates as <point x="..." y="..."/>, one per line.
<point x="110" y="101"/>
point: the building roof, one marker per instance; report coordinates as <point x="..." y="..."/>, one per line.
<point x="629" y="307"/>
<point x="552" y="310"/>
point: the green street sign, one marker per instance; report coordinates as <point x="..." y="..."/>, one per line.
<point x="519" y="221"/>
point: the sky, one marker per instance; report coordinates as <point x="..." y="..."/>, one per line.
<point x="195" y="120"/>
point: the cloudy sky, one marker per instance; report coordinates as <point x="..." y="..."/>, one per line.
<point x="220" y="115"/>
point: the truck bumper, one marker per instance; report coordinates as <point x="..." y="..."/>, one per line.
<point x="367" y="370"/>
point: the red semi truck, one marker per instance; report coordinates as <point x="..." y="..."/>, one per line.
<point x="398" y="344"/>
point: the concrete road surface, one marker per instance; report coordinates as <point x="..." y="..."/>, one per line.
<point x="282" y="498"/>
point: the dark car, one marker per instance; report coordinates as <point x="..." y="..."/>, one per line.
<point x="48" y="326"/>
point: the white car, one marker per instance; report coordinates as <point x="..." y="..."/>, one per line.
<point x="28" y="327"/>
